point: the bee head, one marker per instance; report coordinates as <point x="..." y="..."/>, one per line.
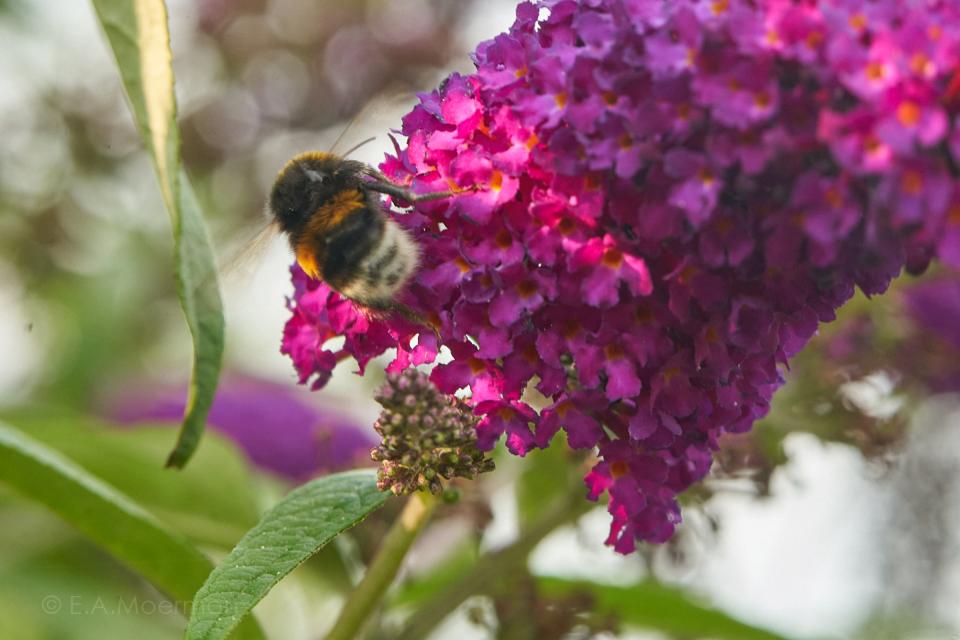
<point x="303" y="185"/>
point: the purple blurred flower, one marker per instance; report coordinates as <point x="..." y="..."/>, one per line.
<point x="924" y="319"/>
<point x="934" y="305"/>
<point x="672" y="196"/>
<point x="933" y="349"/>
<point x="278" y="431"/>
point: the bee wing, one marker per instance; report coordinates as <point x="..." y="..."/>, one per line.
<point x="378" y="114"/>
<point x="243" y="257"/>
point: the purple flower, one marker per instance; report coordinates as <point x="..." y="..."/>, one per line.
<point x="668" y="198"/>
<point x="932" y="346"/>
<point x="278" y="431"/>
<point x="949" y="249"/>
<point x="935" y="306"/>
<point x="924" y="316"/>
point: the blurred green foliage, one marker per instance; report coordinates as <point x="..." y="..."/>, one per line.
<point x="212" y="501"/>
<point x="107" y="517"/>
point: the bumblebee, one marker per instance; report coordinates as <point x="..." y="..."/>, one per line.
<point x="332" y="212"/>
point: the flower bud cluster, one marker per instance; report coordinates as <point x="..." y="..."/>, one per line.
<point x="426" y="437"/>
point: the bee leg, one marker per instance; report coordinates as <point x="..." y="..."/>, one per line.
<point x="397" y="191"/>
<point x="414" y="317"/>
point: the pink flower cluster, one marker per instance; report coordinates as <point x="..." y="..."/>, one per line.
<point x="673" y="195"/>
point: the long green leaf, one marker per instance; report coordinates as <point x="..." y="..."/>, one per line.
<point x="297" y="527"/>
<point x="105" y="516"/>
<point x="651" y="605"/>
<point x="138" y="34"/>
<point x="211" y="502"/>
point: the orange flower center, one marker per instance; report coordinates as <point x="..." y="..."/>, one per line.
<point x="613" y="352"/>
<point x="687" y="274"/>
<point x="723" y="225"/>
<point x="571" y="328"/>
<point x="531" y="355"/>
<point x="908" y="113"/>
<point x="496" y="180"/>
<point x="875" y="71"/>
<point x="762" y="99"/>
<point x="527" y="289"/>
<point x="953" y="215"/>
<point x="612" y="258"/>
<point x="833" y="197"/>
<point x="476" y="366"/>
<point x="669" y="373"/>
<point x="912" y="182"/>
<point x="919" y="63"/>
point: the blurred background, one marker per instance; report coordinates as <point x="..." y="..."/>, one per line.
<point x="838" y="517"/>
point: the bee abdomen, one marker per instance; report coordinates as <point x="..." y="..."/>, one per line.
<point x="385" y="270"/>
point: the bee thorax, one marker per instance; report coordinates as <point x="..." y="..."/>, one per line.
<point x="385" y="270"/>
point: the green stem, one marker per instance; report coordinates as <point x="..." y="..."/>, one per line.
<point x="491" y="568"/>
<point x="383" y="569"/>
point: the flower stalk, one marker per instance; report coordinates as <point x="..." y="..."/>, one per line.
<point x="491" y="568"/>
<point x="384" y="567"/>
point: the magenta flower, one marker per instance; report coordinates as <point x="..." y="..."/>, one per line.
<point x="668" y="198"/>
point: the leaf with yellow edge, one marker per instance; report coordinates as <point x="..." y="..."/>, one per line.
<point x="138" y="34"/>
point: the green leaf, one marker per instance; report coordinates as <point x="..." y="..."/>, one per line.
<point x="212" y="501"/>
<point x="651" y="605"/>
<point x="72" y="591"/>
<point x="105" y="516"/>
<point x="547" y="473"/>
<point x="297" y="527"/>
<point x="138" y="34"/>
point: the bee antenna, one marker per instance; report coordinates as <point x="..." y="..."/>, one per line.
<point x="358" y="145"/>
<point x="343" y="132"/>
